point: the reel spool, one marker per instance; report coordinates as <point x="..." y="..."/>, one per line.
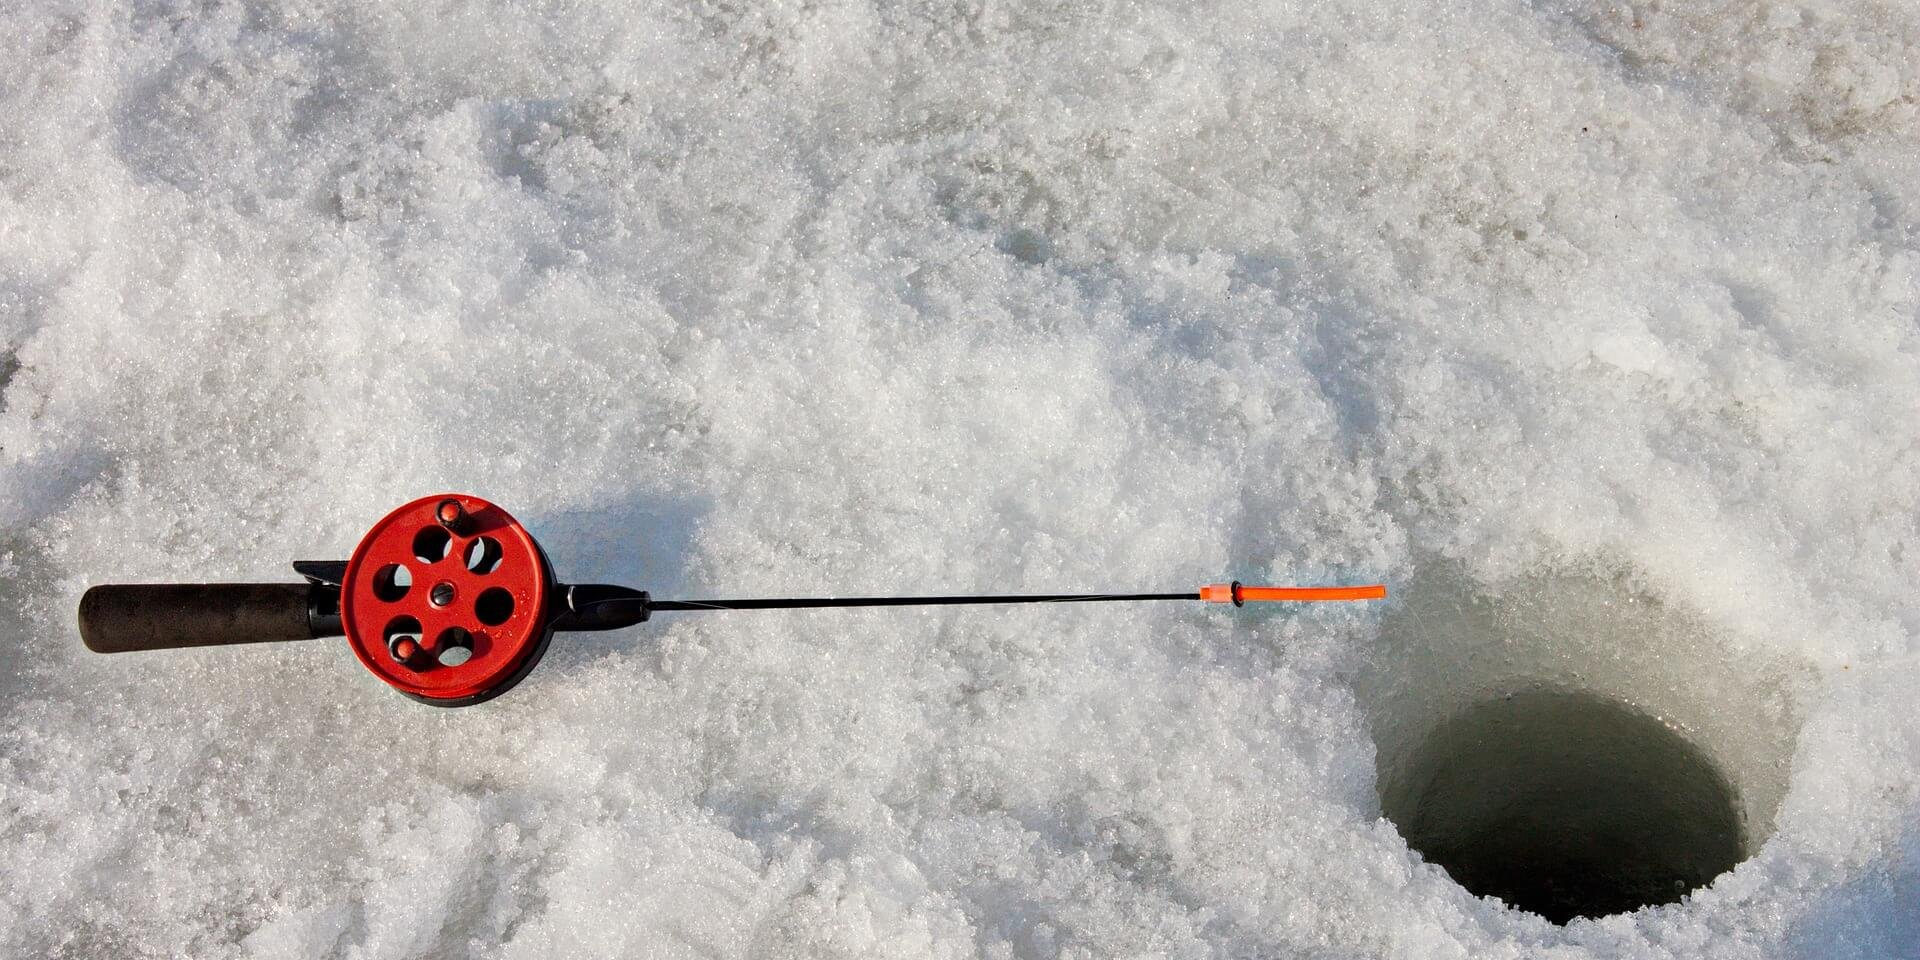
<point x="446" y="599"/>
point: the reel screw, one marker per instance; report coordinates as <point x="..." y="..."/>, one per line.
<point x="453" y="516"/>
<point x="442" y="594"/>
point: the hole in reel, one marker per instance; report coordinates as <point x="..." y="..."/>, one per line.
<point x="493" y="606"/>
<point x="392" y="582"/>
<point x="483" y="555"/>
<point x="431" y="545"/>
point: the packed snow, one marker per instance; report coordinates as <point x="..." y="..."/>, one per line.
<point x="1598" y="323"/>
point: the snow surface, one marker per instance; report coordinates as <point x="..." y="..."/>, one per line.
<point x="737" y="298"/>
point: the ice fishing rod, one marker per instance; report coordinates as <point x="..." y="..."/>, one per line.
<point x="450" y="601"/>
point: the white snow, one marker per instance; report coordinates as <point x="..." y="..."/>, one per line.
<point x="767" y="298"/>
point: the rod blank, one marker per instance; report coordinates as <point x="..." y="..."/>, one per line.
<point x="794" y="603"/>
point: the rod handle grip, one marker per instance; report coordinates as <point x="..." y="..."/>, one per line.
<point x="118" y="618"/>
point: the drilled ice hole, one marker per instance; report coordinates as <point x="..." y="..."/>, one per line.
<point x="1574" y="745"/>
<point x="1566" y="804"/>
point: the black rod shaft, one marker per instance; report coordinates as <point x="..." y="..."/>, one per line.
<point x="790" y="603"/>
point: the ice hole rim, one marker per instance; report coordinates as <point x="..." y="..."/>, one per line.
<point x="1600" y="642"/>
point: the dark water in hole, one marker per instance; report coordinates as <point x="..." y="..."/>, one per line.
<point x="1567" y="805"/>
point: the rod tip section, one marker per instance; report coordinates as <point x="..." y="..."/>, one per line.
<point x="1221" y="593"/>
<point x="1238" y="594"/>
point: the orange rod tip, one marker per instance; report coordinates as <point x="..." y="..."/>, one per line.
<point x="1238" y="594"/>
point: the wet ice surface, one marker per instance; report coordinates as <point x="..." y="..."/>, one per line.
<point x="733" y="299"/>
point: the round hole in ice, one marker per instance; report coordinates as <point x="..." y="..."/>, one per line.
<point x="1566" y="804"/>
<point x="1575" y="745"/>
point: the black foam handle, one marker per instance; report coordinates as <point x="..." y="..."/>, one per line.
<point x="116" y="618"/>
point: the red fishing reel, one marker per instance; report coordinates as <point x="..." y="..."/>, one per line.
<point x="451" y="601"/>
<point x="446" y="600"/>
